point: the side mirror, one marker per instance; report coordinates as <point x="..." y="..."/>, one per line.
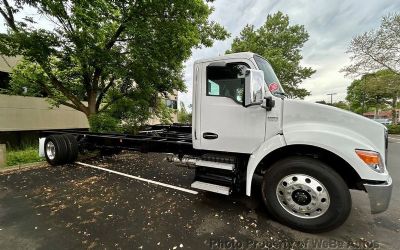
<point x="254" y="89"/>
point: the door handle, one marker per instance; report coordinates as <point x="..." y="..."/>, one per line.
<point x="210" y="136"/>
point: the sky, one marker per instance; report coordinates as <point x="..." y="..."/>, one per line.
<point x="331" y="25"/>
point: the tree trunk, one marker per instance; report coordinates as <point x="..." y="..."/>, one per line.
<point x="376" y="108"/>
<point x="92" y="98"/>
<point x="394" y="111"/>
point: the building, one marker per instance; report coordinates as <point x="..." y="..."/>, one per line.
<point x="6" y="65"/>
<point x="22" y="117"/>
<point x="387" y="114"/>
<point x="171" y="101"/>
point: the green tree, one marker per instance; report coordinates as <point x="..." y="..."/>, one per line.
<point x="377" y="90"/>
<point x="280" y="43"/>
<point x="387" y="84"/>
<point x="184" y="116"/>
<point x="341" y="105"/>
<point x="359" y="99"/>
<point x="376" y="49"/>
<point x="104" y="51"/>
<point x="377" y="53"/>
<point x="28" y="79"/>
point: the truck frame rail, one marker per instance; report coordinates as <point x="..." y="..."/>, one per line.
<point x="157" y="138"/>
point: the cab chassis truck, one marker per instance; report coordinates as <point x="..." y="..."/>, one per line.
<point x="309" y="154"/>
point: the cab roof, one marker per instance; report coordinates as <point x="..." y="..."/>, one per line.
<point x="241" y="55"/>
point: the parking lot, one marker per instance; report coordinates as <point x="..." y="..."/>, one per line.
<point x="75" y="206"/>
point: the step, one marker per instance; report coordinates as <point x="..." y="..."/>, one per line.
<point x="211" y="187"/>
<point x="214" y="164"/>
<point x="218" y="179"/>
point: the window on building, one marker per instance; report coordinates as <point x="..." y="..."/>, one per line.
<point x="4" y="80"/>
<point x="173" y="104"/>
<point x="227" y="81"/>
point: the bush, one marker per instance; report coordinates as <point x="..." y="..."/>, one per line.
<point x="184" y="116"/>
<point x="394" y="129"/>
<point x="24" y="156"/>
<point x="103" y="123"/>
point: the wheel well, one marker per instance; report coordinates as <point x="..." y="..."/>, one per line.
<point x="344" y="169"/>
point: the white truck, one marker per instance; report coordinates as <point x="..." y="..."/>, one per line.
<point x="308" y="154"/>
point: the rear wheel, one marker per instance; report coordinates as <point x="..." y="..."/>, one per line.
<point x="72" y="148"/>
<point x="306" y="194"/>
<point x="56" y="150"/>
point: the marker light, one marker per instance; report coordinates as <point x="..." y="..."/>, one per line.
<point x="372" y="159"/>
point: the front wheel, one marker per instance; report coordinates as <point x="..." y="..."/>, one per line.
<point x="306" y="194"/>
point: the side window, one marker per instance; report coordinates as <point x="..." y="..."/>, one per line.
<point x="227" y="81"/>
<point x="213" y="89"/>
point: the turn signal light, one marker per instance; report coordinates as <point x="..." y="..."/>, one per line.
<point x="372" y="159"/>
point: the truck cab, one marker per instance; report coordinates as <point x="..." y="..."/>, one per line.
<point x="308" y="154"/>
<point x="222" y="121"/>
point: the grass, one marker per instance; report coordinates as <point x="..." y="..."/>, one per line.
<point x="23" y="156"/>
<point x="394" y="129"/>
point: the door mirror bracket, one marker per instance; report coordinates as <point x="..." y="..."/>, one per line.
<point x="268" y="103"/>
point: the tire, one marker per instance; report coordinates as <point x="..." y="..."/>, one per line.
<point x="56" y="150"/>
<point x="72" y="148"/>
<point x="315" y="198"/>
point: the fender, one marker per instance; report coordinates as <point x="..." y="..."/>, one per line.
<point x="335" y="139"/>
<point x="341" y="141"/>
<point x="267" y="147"/>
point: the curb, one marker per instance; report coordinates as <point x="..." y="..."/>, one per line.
<point x="27" y="166"/>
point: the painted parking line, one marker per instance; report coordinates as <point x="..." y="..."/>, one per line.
<point x="139" y="178"/>
<point x="394" y="140"/>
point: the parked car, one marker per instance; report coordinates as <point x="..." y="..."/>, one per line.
<point x="383" y="121"/>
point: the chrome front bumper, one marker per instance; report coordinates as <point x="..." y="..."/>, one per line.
<point x="379" y="195"/>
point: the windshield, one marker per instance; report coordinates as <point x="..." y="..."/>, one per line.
<point x="269" y="76"/>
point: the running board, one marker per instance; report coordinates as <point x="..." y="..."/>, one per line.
<point x="211" y="187"/>
<point x="213" y="164"/>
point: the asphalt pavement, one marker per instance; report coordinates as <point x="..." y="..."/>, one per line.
<point x="75" y="207"/>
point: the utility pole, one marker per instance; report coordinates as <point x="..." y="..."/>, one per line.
<point x="331" y="94"/>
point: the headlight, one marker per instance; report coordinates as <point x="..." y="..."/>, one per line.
<point x="372" y="159"/>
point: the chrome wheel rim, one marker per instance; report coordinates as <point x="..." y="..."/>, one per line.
<point x="303" y="196"/>
<point x="50" y="150"/>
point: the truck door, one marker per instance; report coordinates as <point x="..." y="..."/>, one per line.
<point x="225" y="124"/>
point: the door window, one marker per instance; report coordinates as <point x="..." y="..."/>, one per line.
<point x="227" y="81"/>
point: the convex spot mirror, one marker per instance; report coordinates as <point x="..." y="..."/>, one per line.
<point x="254" y="89"/>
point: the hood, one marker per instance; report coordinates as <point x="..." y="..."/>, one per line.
<point x="300" y="114"/>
